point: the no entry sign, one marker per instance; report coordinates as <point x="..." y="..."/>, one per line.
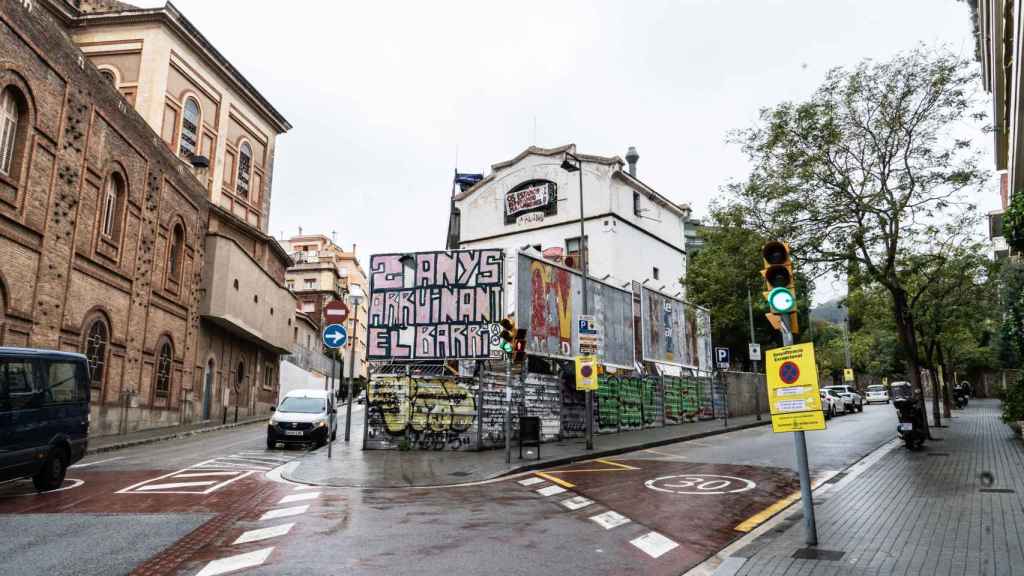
<point x="335" y="312"/>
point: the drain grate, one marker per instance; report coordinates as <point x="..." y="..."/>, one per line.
<point x="818" y="554"/>
<point x="836" y="478"/>
<point x="938" y="453"/>
<point x="460" y="473"/>
<point x="997" y="490"/>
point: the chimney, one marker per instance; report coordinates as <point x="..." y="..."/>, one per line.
<point x="632" y="157"/>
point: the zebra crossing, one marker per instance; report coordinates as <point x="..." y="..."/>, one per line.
<point x="210" y="475"/>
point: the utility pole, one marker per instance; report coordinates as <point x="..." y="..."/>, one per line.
<point x="757" y="369"/>
<point x="351" y="366"/>
<point x="578" y="167"/>
<point x="846" y="338"/>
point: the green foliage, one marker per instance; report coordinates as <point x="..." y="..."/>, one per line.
<point x="720" y="275"/>
<point x="1013" y="223"/>
<point x="1013" y="401"/>
<point x="868" y="176"/>
<point x="1010" y="338"/>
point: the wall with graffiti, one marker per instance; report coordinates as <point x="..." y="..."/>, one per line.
<point x="549" y="300"/>
<point x="674" y="332"/>
<point x="435" y="305"/>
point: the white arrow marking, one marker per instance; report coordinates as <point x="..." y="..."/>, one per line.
<point x="238" y="562"/>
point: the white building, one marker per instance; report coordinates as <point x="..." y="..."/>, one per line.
<point x="635" y="234"/>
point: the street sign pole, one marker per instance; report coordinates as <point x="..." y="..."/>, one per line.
<point x="508" y="409"/>
<point x="757" y="379"/>
<point x="810" y="526"/>
<point x="351" y="374"/>
<point x="331" y="403"/>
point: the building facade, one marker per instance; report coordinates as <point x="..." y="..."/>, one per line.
<point x="634" y="233"/>
<point x="117" y="208"/>
<point x="999" y="50"/>
<point x="323" y="271"/>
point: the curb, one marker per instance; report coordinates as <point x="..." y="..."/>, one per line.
<point x="624" y="449"/>
<point x="537" y="465"/>
<point x="171" y="436"/>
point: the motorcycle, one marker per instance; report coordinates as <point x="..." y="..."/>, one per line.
<point x="960" y="396"/>
<point x="911" y="427"/>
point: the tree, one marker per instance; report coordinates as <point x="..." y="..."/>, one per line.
<point x="724" y="271"/>
<point x="868" y="171"/>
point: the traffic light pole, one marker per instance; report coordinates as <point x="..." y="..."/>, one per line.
<point x="810" y="526"/>
<point x="508" y="409"/>
<point x="757" y="395"/>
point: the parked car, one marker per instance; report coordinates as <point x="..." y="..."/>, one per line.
<point x="832" y="403"/>
<point x="876" y="393"/>
<point x="303" y="417"/>
<point x="44" y="414"/>
<point x="854" y="401"/>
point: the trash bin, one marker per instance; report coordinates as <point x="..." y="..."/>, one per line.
<point x="529" y="433"/>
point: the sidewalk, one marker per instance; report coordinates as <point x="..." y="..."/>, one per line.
<point x="350" y="466"/>
<point x="914" y="513"/>
<point x="112" y="442"/>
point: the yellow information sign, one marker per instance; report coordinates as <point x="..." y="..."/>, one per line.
<point x="848" y="374"/>
<point x="793" y="394"/>
<point x="586" y="372"/>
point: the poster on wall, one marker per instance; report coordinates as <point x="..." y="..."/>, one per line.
<point x="435" y="305"/>
<point x="529" y="202"/>
<point x="549" y="303"/>
<point x="674" y="332"/>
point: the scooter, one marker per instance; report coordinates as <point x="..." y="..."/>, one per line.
<point x="960" y="396"/>
<point x="911" y="427"/>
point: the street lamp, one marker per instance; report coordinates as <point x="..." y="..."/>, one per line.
<point x="355" y="297"/>
<point x="569" y="166"/>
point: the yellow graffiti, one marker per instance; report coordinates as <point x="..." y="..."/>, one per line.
<point x="437" y="405"/>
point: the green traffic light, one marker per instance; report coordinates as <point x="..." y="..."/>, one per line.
<point x="506" y="347"/>
<point x="781" y="300"/>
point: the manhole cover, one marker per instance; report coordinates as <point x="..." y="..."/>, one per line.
<point x="938" y="453"/>
<point x="460" y="473"/>
<point x="997" y="490"/>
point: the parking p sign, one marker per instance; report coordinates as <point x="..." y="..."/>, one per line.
<point x="722" y="358"/>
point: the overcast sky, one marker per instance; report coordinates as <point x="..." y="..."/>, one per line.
<point x="382" y="93"/>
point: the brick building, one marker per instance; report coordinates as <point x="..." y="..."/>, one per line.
<point x="135" y="170"/>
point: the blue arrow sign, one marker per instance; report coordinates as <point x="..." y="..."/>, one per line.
<point x="335" y="336"/>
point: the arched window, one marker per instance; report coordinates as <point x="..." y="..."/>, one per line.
<point x="244" y="169"/>
<point x="112" y="193"/>
<point x="109" y="75"/>
<point x="189" y="128"/>
<point x="177" y="252"/>
<point x="10" y="116"/>
<point x="163" y="369"/>
<point x="240" y="375"/>
<point x="97" y="337"/>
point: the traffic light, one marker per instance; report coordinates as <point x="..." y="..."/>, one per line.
<point x="508" y="334"/>
<point x="519" y="346"/>
<point x="780" y="287"/>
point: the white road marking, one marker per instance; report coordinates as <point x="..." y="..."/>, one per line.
<point x="531" y="481"/>
<point x="96" y="462"/>
<point x="237" y="562"/>
<point x="297" y="488"/>
<point x="173" y="485"/>
<point x="654" y="544"/>
<point x="577" y="502"/>
<point x="264" y="533"/>
<point x="137" y="488"/>
<point x="550" y="490"/>
<point x="284" y="512"/>
<point x="199" y="474"/>
<point x="610" y="519"/>
<point x="299" y="497"/>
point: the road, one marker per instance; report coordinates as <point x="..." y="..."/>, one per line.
<point x="210" y="504"/>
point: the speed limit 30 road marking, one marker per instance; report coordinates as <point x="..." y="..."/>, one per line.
<point x="702" y="484"/>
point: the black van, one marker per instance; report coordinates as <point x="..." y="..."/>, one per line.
<point x="44" y="414"/>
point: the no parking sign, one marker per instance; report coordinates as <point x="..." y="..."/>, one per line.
<point x="793" y="389"/>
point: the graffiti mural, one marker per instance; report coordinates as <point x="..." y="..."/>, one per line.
<point x="435" y="305"/>
<point x="682" y="399"/>
<point x="674" y="332"/>
<point x="549" y="300"/>
<point x="424" y="413"/>
<point x="627" y="403"/>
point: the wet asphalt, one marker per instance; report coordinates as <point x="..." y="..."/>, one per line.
<point x="499" y="527"/>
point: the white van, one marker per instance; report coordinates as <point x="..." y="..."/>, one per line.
<point x="303" y="417"/>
